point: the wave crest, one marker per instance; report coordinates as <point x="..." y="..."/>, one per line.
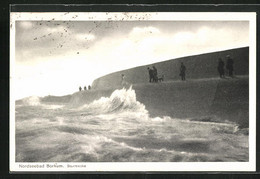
<point x="123" y="100"/>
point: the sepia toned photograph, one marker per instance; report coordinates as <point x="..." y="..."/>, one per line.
<point x="132" y="91"/>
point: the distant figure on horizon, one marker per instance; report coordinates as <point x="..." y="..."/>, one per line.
<point x="230" y="66"/>
<point x="80" y="88"/>
<point x="89" y="87"/>
<point x="182" y="72"/>
<point x="155" y="77"/>
<point x="151" y="77"/>
<point x="85" y="88"/>
<point x="221" y="70"/>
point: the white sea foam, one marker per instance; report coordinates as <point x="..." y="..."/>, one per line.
<point x="32" y="101"/>
<point x="52" y="106"/>
<point x="123" y="100"/>
<point x="36" y="101"/>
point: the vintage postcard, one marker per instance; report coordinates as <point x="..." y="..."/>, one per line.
<point x="146" y="91"/>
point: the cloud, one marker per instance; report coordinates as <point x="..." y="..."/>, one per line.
<point x="84" y="37"/>
<point x="141" y="47"/>
<point x="182" y="37"/>
<point x="53" y="29"/>
<point x="145" y="30"/>
<point x="86" y="56"/>
<point x="26" y="25"/>
<point x="139" y="33"/>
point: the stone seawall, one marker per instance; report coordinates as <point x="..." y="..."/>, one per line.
<point x="210" y="99"/>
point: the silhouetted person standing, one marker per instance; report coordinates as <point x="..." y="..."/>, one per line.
<point x="85" y="88"/>
<point x="155" y="77"/>
<point x="230" y="66"/>
<point x="221" y="70"/>
<point x="89" y="87"/>
<point x="80" y="88"/>
<point x="151" y="77"/>
<point x="182" y="72"/>
<point x="123" y="80"/>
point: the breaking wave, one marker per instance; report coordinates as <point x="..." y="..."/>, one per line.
<point x="123" y="100"/>
<point x="123" y="105"/>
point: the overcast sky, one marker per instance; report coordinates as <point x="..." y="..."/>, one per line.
<point x="56" y="57"/>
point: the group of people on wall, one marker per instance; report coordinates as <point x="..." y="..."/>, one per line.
<point x="85" y="88"/>
<point x="153" y="75"/>
<point x="229" y="67"/>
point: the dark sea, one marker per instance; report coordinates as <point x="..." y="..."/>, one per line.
<point x="119" y="129"/>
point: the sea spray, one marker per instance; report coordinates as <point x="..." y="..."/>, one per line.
<point x="37" y="102"/>
<point x="32" y="101"/>
<point x="123" y="100"/>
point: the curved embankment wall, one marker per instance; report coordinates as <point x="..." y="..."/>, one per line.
<point x="198" y="66"/>
<point x="205" y="99"/>
<point x="203" y="95"/>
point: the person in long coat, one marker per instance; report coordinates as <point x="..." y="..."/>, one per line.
<point x="151" y="74"/>
<point x="155" y="74"/>
<point x="229" y="66"/>
<point x="221" y="70"/>
<point x="183" y="72"/>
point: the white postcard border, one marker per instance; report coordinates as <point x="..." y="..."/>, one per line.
<point x="139" y="166"/>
